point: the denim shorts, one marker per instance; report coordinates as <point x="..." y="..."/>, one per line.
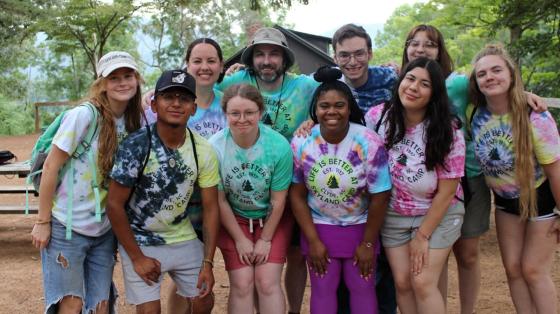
<point x="82" y="266"/>
<point x="181" y="261"/>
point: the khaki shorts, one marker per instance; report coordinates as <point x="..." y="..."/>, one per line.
<point x="398" y="230"/>
<point x="477" y="213"/>
<point x="181" y="261"/>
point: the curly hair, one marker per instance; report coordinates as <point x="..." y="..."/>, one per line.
<point x="520" y="126"/>
<point x="439" y="122"/>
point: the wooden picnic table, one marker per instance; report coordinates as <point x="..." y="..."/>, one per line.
<point x="20" y="168"/>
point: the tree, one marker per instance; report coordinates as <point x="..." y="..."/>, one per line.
<point x="86" y="25"/>
<point x="174" y="24"/>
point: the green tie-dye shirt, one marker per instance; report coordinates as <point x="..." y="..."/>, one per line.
<point x="285" y="108"/>
<point x="248" y="175"/>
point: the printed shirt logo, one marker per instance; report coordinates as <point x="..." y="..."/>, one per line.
<point x="247" y="183"/>
<point x="326" y="177"/>
<point x="493" y="147"/>
<point x="178" y="78"/>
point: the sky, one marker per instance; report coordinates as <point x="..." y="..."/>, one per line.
<point x="323" y="17"/>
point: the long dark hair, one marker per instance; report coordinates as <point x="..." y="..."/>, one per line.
<point x="436" y="36"/>
<point x="329" y="79"/>
<point x="439" y="126"/>
<point x="213" y="43"/>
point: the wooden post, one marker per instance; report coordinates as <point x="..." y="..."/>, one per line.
<point x="37" y="118"/>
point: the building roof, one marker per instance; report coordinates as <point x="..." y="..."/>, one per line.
<point x="311" y="50"/>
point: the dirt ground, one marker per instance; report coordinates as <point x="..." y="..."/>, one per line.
<point x="20" y="265"/>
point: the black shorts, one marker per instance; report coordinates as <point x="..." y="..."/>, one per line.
<point x="545" y="202"/>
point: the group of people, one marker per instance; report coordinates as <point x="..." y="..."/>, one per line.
<point x="359" y="175"/>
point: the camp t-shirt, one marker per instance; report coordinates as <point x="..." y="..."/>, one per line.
<point x="414" y="186"/>
<point x="248" y="175"/>
<point x="339" y="177"/>
<point x="157" y="209"/>
<point x="208" y="121"/>
<point x="285" y="108"/>
<point x="71" y="133"/>
<point x="493" y="140"/>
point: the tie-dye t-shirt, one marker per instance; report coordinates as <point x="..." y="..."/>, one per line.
<point x="72" y="130"/>
<point x="157" y="209"/>
<point x="339" y="177"/>
<point x="494" y="148"/>
<point x="285" y="108"/>
<point x="248" y="175"/>
<point x="209" y="121"/>
<point x="414" y="186"/>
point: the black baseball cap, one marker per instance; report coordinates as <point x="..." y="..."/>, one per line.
<point x="176" y="78"/>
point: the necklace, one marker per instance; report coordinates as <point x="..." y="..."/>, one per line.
<point x="171" y="154"/>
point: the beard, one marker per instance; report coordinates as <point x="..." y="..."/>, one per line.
<point x="269" y="77"/>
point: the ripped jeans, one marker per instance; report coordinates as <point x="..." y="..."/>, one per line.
<point x="80" y="267"/>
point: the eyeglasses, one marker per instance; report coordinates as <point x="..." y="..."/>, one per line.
<point x="345" y="57"/>
<point x="169" y="98"/>
<point x="416" y="43"/>
<point x="248" y="115"/>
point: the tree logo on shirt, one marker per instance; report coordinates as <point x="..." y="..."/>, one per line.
<point x="402" y="159"/>
<point x="332" y="182"/>
<point x="494" y="155"/>
<point x="247" y="186"/>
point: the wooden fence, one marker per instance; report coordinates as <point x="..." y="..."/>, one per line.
<point x="38" y="105"/>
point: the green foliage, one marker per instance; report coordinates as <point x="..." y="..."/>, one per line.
<point x="174" y="24"/>
<point x="530" y="30"/>
<point x="15" y="118"/>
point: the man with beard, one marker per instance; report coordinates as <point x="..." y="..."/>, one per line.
<point x="287" y="98"/>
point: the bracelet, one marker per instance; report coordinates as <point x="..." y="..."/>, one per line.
<point x="423" y="235"/>
<point x="367" y="244"/>
<point x="208" y="261"/>
<point x="265" y="240"/>
<point x="42" y="222"/>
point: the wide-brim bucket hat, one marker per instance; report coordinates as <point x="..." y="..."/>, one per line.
<point x="271" y="36"/>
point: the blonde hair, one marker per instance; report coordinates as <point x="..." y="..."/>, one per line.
<point x="521" y="128"/>
<point x="108" y="141"/>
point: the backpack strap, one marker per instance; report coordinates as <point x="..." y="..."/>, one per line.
<point x="469" y="114"/>
<point x="194" y="150"/>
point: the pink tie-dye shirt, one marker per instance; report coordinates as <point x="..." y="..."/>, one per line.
<point x="414" y="187"/>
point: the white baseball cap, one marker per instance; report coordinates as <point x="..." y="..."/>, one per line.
<point x="114" y="60"/>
